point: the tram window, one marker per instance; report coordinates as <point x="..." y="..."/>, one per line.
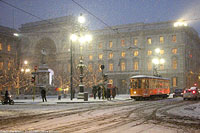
<point x="147" y="83"/>
<point x="139" y="83"/>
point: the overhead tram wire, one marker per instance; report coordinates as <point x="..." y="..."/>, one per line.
<point x="22" y="10"/>
<point x="95" y="16"/>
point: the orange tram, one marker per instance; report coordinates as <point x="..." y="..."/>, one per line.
<point x="148" y="87"/>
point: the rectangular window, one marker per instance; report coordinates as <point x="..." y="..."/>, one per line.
<point x="99" y="68"/>
<point x="174" y="81"/>
<point x="135" y="53"/>
<point x="149" y="52"/>
<point x="162" y="51"/>
<point x="110" y="55"/>
<point x="100" y="45"/>
<point x="135" y="65"/>
<point x="149" y="65"/>
<point x="100" y="56"/>
<point x="9" y="47"/>
<point x="111" y="67"/>
<point x="90" y="57"/>
<point x="9" y="65"/>
<point x="90" y="46"/>
<point x="110" y="44"/>
<point x="173" y="38"/>
<point x="90" y="68"/>
<point x="174" y="51"/>
<point x="149" y="40"/>
<point x="122" y="43"/>
<point x="135" y="42"/>
<point x="161" y="39"/>
<point x="123" y="54"/>
<point x="1" y="65"/>
<point x="123" y="66"/>
<point x="161" y="66"/>
<point x="174" y="64"/>
<point x="0" y="46"/>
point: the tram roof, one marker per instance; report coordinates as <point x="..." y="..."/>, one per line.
<point x="147" y="76"/>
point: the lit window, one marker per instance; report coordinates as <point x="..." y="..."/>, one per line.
<point x="174" y="51"/>
<point x="122" y="43"/>
<point x="90" y="57"/>
<point x="90" y="67"/>
<point x="173" y="38"/>
<point x="149" y="65"/>
<point x="162" y="51"/>
<point x="111" y="67"/>
<point x="174" y="81"/>
<point x="135" y="65"/>
<point x="161" y="66"/>
<point x="135" y="42"/>
<point x="90" y="47"/>
<point x="0" y="46"/>
<point x="100" y="45"/>
<point x="174" y="64"/>
<point x="9" y="65"/>
<point x="135" y="53"/>
<point x="123" y="66"/>
<point x="1" y="65"/>
<point x="100" y="56"/>
<point x="123" y="54"/>
<point x="100" y="68"/>
<point x="110" y="44"/>
<point x="161" y="39"/>
<point x="110" y="81"/>
<point x="149" y="41"/>
<point x="149" y="52"/>
<point x="9" y="47"/>
<point x="110" y="55"/>
<point x="68" y="67"/>
<point x="81" y="48"/>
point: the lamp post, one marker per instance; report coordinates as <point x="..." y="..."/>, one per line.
<point x="82" y="40"/>
<point x="157" y="61"/>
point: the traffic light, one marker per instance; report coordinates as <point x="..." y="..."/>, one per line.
<point x="195" y="84"/>
<point x="33" y="79"/>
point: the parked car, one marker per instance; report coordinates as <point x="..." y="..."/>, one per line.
<point x="178" y="93"/>
<point x="192" y="93"/>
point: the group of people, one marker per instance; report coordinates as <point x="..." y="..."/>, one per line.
<point x="103" y="92"/>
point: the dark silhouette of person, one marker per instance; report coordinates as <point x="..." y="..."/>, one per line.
<point x="94" y="91"/>
<point x="7" y="98"/>
<point x="99" y="92"/>
<point x="114" y="89"/>
<point x="108" y="93"/>
<point x="43" y="94"/>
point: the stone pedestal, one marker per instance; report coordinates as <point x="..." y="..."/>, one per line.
<point x="43" y="76"/>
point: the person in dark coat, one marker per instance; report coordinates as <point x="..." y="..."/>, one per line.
<point x="7" y="98"/>
<point x="99" y="91"/>
<point x="114" y="89"/>
<point x="43" y="94"/>
<point x="108" y="94"/>
<point x="94" y="91"/>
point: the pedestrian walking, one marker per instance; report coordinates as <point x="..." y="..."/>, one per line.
<point x="94" y="91"/>
<point x="108" y="94"/>
<point x="99" y="91"/>
<point x="114" y="89"/>
<point x="43" y="94"/>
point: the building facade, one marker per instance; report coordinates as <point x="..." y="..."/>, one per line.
<point x="9" y="61"/>
<point x="125" y="51"/>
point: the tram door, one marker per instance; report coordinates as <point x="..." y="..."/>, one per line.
<point x="145" y="83"/>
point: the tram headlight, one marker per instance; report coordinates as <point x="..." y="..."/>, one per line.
<point x="134" y="92"/>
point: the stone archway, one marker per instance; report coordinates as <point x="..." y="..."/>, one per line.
<point x="50" y="49"/>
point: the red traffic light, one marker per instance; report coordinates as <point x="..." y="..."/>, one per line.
<point x="195" y="84"/>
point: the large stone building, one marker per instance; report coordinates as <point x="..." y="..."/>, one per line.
<point x="125" y="51"/>
<point x="9" y="61"/>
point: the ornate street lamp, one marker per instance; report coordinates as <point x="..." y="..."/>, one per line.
<point x="82" y="40"/>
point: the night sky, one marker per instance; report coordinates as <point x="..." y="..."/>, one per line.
<point x="112" y="12"/>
